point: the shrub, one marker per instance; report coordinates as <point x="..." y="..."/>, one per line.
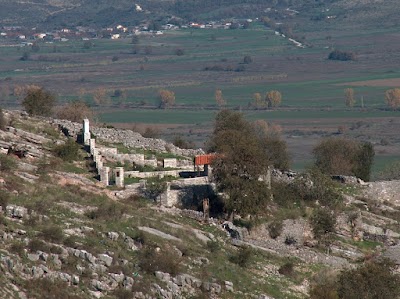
<point x="342" y="55"/>
<point x="37" y="245"/>
<point x="180" y="142"/>
<point x="3" y="121"/>
<point x="165" y="260"/>
<point x="52" y="233"/>
<point x="287" y="269"/>
<point x="107" y="211"/>
<point x="213" y="246"/>
<point x="151" y="132"/>
<point x="75" y="111"/>
<point x="56" y="250"/>
<point x="275" y="229"/>
<point x="121" y="293"/>
<point x="68" y="151"/>
<point x="290" y="240"/>
<point x="323" y="222"/>
<point x="48" y="289"/>
<point x="7" y="163"/>
<point x="179" y="52"/>
<point x="247" y="59"/>
<point x="243" y="256"/>
<point x="248" y="224"/>
<point x="374" y="279"/>
<point x="17" y="248"/>
<point x="324" y="285"/>
<point x="70" y="242"/>
<point x="3" y="220"/>
<point x="313" y="186"/>
<point x="4" y="199"/>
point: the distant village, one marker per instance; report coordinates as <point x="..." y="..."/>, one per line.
<point x="28" y="36"/>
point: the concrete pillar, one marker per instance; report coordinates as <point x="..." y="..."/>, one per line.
<point x="119" y="176"/>
<point x="92" y="145"/>
<point x="86" y="132"/>
<point x="104" y="175"/>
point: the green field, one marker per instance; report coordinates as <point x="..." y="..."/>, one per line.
<point x="312" y="86"/>
<point x="171" y="116"/>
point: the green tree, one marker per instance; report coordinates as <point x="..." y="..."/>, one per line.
<point x="240" y="162"/>
<point x="323" y="222"/>
<point x="39" y="101"/>
<point x="345" y="157"/>
<point x="155" y="188"/>
<point x="274" y="147"/>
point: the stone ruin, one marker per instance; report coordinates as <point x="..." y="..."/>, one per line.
<point x="177" y="191"/>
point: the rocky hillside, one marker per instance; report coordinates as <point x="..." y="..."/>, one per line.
<point x="65" y="235"/>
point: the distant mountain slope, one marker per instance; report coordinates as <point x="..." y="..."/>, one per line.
<point x="50" y="13"/>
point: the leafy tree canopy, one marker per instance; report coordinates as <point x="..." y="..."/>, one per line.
<point x="242" y="160"/>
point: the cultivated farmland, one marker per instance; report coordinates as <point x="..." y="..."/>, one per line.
<point x="311" y="85"/>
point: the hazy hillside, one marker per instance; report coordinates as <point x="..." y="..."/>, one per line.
<point x="102" y="13"/>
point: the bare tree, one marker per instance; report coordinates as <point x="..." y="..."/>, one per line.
<point x="219" y="98"/>
<point x="392" y="98"/>
<point x="273" y="98"/>
<point x="75" y="111"/>
<point x="258" y="103"/>
<point x="100" y="96"/>
<point x="349" y="97"/>
<point x="167" y="98"/>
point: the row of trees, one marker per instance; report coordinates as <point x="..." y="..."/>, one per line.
<point x="245" y="150"/>
<point x="166" y="98"/>
<point x="272" y="98"/>
<point x="392" y="98"/>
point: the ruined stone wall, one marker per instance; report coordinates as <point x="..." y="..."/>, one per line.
<point x="151" y="174"/>
<point x="127" y="137"/>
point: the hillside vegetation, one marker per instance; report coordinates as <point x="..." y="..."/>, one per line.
<point x="65" y="235"/>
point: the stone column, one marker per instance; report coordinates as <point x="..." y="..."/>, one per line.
<point x="92" y="145"/>
<point x="97" y="158"/>
<point x="99" y="164"/>
<point x="104" y="175"/>
<point x="86" y="132"/>
<point x="119" y="176"/>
